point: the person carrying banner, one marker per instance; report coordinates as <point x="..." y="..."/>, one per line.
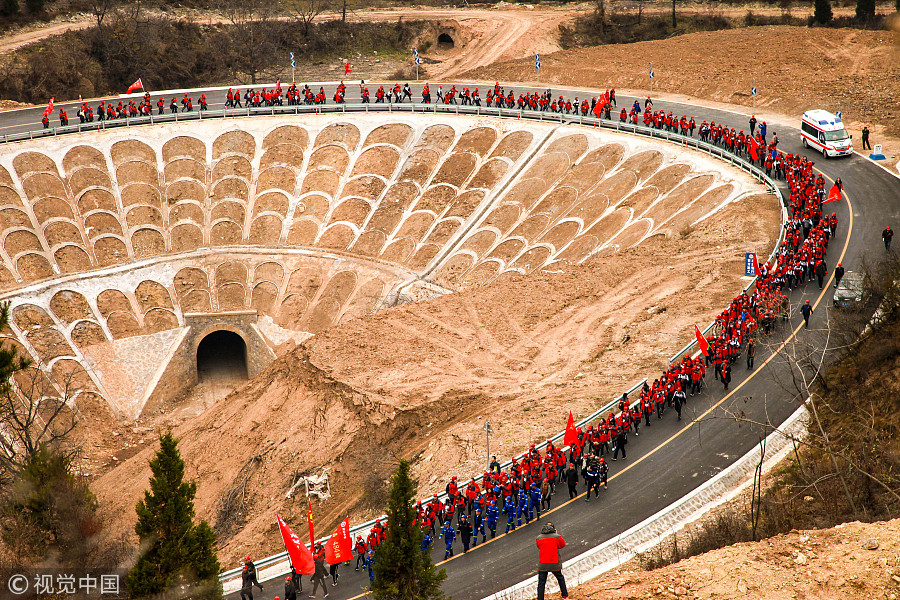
<point x="318" y="578"/>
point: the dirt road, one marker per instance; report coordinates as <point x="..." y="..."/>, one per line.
<point x="481" y="36"/>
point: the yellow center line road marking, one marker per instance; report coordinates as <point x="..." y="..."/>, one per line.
<point x="688" y="426"/>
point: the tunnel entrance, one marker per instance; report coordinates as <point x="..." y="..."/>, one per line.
<point x="445" y="40"/>
<point x="222" y="357"/>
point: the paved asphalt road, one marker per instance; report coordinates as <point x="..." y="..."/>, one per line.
<point x="671" y="458"/>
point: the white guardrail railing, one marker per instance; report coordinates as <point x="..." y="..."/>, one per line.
<point x="274" y="566"/>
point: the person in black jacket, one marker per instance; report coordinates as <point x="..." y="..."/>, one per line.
<point x="621" y="440"/>
<point x="838" y="274"/>
<point x="246" y="584"/>
<point x="572" y="480"/>
<point x="251" y="572"/>
<point x="321" y="573"/>
<point x="295" y="578"/>
<point x="290" y="592"/>
<point x="465" y="532"/>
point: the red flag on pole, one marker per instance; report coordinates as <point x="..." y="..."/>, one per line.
<point x="571" y="436"/>
<point x="701" y="341"/>
<point x="312" y="537"/>
<point x="834" y="194"/>
<point x="756" y="270"/>
<point x="598" y="108"/>
<point x="339" y="547"/>
<point x="49" y="108"/>
<point x="137" y="85"/>
<point x="754" y="148"/>
<point x="347" y="69"/>
<point x="301" y="557"/>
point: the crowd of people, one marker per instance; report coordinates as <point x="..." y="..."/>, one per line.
<point x="521" y="492"/>
<point x="525" y="489"/>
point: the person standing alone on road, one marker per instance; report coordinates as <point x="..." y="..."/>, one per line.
<point x="865" y="138"/>
<point x="838" y="274"/>
<point x="751" y="353"/>
<point x="886" y="237"/>
<point x="549" y="544"/>
<point x="806" y="310"/>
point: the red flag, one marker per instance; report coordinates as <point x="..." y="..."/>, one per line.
<point x="312" y="537"/>
<point x="701" y="341"/>
<point x="754" y="148"/>
<point x="571" y="436"/>
<point x="347" y="69"/>
<point x="339" y="547"/>
<point x="598" y="108"/>
<point x="137" y="85"/>
<point x="49" y="108"/>
<point x="301" y="557"/>
<point x="756" y="270"/>
<point x="834" y="194"/>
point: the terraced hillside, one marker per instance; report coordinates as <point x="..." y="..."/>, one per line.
<point x="305" y="223"/>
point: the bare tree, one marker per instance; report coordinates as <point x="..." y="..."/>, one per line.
<point x="306" y="11"/>
<point x="35" y="414"/>
<point x="254" y="22"/>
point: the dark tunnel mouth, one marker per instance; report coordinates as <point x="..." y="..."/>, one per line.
<point x="445" y="40"/>
<point x="221" y="357"/>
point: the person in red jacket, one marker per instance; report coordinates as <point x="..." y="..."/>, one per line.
<point x="549" y="544"/>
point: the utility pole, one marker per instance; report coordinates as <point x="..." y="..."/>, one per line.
<point x="487" y="434"/>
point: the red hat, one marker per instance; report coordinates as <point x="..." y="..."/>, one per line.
<point x="246" y="558"/>
<point x="807" y="301"/>
<point x="288" y="578"/>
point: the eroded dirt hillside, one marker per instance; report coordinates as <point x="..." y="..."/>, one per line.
<point x="419" y="380"/>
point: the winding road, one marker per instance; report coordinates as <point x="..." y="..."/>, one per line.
<point x="669" y="459"/>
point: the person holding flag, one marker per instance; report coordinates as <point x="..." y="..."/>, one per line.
<point x="137" y="85"/>
<point x="301" y="558"/>
<point x="339" y="549"/>
<point x="320" y="572"/>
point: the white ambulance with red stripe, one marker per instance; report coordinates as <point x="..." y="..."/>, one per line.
<point x="825" y="132"/>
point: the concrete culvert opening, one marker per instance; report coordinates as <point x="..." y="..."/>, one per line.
<point x="221" y="357"/>
<point x="445" y="40"/>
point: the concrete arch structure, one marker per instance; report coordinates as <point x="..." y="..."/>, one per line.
<point x="279" y="229"/>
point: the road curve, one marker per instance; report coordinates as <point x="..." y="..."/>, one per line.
<point x="669" y="459"/>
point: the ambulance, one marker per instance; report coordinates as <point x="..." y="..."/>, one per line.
<point x="825" y="132"/>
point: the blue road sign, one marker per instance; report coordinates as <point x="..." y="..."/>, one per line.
<point x="652" y="74"/>
<point x="293" y="64"/>
<point x="753" y="91"/>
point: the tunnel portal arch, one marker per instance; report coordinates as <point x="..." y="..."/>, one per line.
<point x="222" y="356"/>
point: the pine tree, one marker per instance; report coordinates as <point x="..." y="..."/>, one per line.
<point x="176" y="552"/>
<point x="822" y="12"/>
<point x="47" y="509"/>
<point x="402" y="570"/>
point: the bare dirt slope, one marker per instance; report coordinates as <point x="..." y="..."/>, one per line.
<point x="820" y="564"/>
<point x="418" y="381"/>
<point x="794" y="68"/>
